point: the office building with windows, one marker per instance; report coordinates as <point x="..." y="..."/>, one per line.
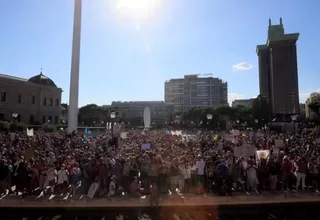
<point x="35" y="101"/>
<point x="161" y="113"/>
<point x="195" y="91"/>
<point x="242" y="102"/>
<point x="278" y="72"/>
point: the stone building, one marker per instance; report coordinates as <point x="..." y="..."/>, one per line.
<point x="30" y="101"/>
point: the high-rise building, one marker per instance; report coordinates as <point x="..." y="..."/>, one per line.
<point x="278" y="72"/>
<point x="195" y="91"/>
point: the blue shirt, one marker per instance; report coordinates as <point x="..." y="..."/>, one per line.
<point x="222" y="170"/>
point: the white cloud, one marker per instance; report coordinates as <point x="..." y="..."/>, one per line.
<point x="303" y="96"/>
<point x="233" y="96"/>
<point x="242" y="66"/>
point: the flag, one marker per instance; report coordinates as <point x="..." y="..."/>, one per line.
<point x="86" y="132"/>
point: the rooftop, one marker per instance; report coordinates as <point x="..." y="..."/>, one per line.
<point x="37" y="79"/>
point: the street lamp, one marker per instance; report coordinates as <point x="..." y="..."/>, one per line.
<point x="294" y="119"/>
<point x="256" y="121"/>
<point x="15" y="116"/>
<point x="112" y="114"/>
<point x="209" y="117"/>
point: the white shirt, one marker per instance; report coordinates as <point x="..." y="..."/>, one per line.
<point x="200" y="167"/>
<point x="51" y="174"/>
<point x="62" y="176"/>
<point x="112" y="188"/>
<point x="252" y="173"/>
<point x="187" y="173"/>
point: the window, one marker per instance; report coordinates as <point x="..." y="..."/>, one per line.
<point x="1" y="116"/>
<point x="50" y="102"/>
<point x="43" y="119"/>
<point x="57" y="102"/>
<point x="49" y="119"/>
<point x="56" y="120"/>
<point x="3" y="96"/>
<point x="31" y="119"/>
<point x="19" y="98"/>
<point x="33" y="100"/>
<point x="44" y="101"/>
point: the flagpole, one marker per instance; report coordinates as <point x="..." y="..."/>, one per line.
<point x="75" y="67"/>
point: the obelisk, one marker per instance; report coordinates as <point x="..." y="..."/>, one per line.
<point x="75" y="67"/>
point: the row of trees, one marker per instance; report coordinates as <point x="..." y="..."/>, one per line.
<point x="96" y="115"/>
<point x="256" y="115"/>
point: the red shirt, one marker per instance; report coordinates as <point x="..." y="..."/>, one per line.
<point x="286" y="167"/>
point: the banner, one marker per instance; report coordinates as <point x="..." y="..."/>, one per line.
<point x="235" y="132"/>
<point x="145" y="146"/>
<point x="262" y="154"/>
<point x="124" y="135"/>
<point x="279" y="143"/>
<point x="86" y="132"/>
<point x="245" y="150"/>
<point x="30" y="132"/>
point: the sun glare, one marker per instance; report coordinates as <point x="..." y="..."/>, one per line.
<point x="137" y="8"/>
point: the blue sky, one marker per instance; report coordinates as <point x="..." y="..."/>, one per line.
<point x="127" y="57"/>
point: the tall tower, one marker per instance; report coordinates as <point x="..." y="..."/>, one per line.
<point x="278" y="72"/>
<point x="75" y="67"/>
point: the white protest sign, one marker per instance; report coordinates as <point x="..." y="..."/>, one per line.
<point x="30" y="132"/>
<point x="278" y="143"/>
<point x="246" y="150"/>
<point x="236" y="132"/>
<point x="262" y="154"/>
<point x="13" y="136"/>
<point x="123" y="135"/>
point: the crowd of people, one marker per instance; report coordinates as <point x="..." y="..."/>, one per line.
<point x="156" y="162"/>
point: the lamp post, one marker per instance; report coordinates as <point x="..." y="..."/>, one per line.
<point x="256" y="121"/>
<point x="75" y="67"/>
<point x="294" y="119"/>
<point x="209" y="117"/>
<point x="112" y="116"/>
<point x="15" y="116"/>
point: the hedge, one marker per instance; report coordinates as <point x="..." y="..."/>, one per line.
<point x="6" y="126"/>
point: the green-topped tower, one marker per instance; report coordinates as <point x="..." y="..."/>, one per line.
<point x="278" y="72"/>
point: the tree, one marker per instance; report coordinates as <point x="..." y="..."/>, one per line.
<point x="92" y="114"/>
<point x="315" y="108"/>
<point x="261" y="109"/>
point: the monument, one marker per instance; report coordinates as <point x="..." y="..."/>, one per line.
<point x="75" y="66"/>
